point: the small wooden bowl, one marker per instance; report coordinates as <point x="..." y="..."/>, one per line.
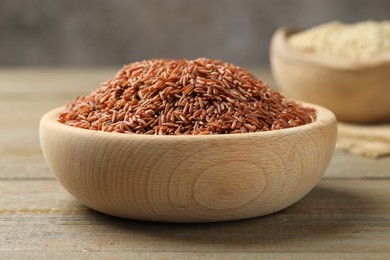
<point x="189" y="178"/>
<point x="356" y="91"/>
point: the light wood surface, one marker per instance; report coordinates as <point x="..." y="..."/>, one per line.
<point x="356" y="91"/>
<point x="346" y="216"/>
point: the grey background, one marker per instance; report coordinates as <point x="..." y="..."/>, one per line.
<point x="103" y="32"/>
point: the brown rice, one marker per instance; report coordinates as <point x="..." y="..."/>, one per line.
<point x="197" y="97"/>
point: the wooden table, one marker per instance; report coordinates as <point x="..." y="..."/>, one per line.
<point x="346" y="216"/>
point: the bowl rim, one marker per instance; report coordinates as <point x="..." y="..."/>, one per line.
<point x="279" y="41"/>
<point x="324" y="117"/>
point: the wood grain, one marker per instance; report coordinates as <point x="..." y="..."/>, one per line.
<point x="336" y="217"/>
<point x="345" y="217"/>
<point x="189" y="178"/>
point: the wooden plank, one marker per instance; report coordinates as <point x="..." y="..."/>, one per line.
<point x="345" y="165"/>
<point x="27" y="112"/>
<point x="85" y="254"/>
<point x="50" y="82"/>
<point x="337" y="217"/>
<point x="24" y="167"/>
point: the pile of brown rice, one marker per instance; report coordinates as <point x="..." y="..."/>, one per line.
<point x="201" y="96"/>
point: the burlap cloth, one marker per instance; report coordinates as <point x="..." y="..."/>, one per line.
<point x="365" y="140"/>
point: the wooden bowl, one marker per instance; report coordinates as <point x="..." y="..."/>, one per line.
<point x="356" y="91"/>
<point x="189" y="178"/>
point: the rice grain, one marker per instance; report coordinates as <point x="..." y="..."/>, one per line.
<point x="175" y="97"/>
